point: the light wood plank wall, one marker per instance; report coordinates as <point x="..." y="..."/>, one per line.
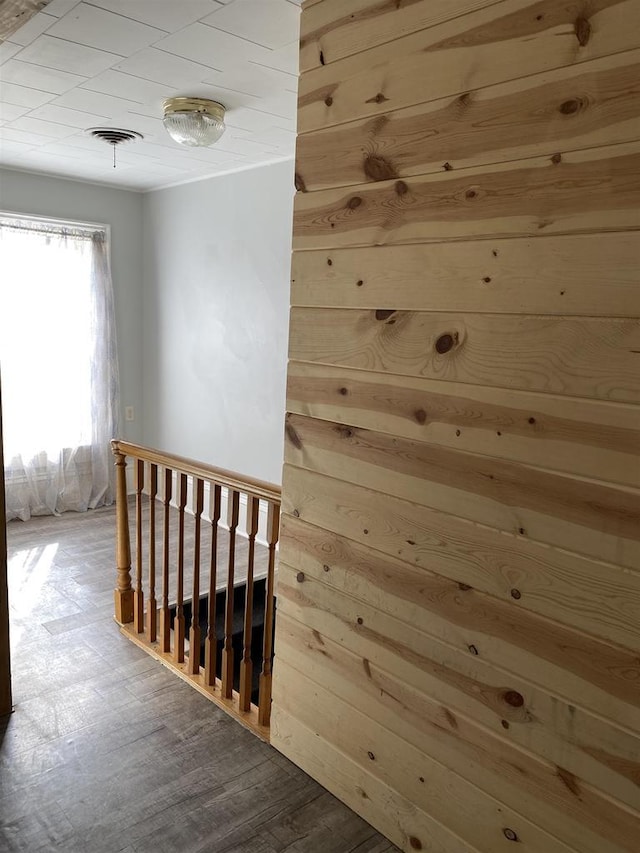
<point x="458" y="629"/>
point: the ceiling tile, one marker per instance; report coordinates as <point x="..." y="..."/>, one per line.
<point x="252" y="79"/>
<point x="7" y="50"/>
<point x="13" y="148"/>
<point x="167" y="15"/>
<point x="33" y="28"/>
<point x="125" y="86"/>
<point x="284" y="59"/>
<point x="27" y="137"/>
<point x="63" y="115"/>
<point x="212" y="47"/>
<point x="57" y="8"/>
<point x="98" y="28"/>
<point x="94" y="102"/>
<point x="46" y="128"/>
<point x="271" y="23"/>
<point x="161" y="67"/>
<point x="10" y="112"/>
<point x="21" y="96"/>
<point x="35" y="77"/>
<point x="67" y="56"/>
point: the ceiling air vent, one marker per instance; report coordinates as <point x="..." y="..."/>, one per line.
<point x="114" y="136"/>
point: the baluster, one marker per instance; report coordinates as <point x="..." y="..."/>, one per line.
<point x="264" y="701"/>
<point x="178" y="622"/>
<point x="246" y="666"/>
<point x="165" y="615"/>
<point x="211" y="643"/>
<point x="233" y="512"/>
<point x="123" y="593"/>
<point x="194" y="630"/>
<point x="152" y="606"/>
<point x="138" y="596"/>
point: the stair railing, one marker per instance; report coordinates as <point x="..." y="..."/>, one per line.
<point x="227" y="551"/>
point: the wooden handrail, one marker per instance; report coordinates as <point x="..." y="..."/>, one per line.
<point x="221" y="476"/>
<point x="221" y="660"/>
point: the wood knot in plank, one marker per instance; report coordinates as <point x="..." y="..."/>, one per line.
<point x="582" y="30"/>
<point x="513" y="698"/>
<point x="300" y="577"/>
<point x="299" y="183"/>
<point x="384" y="313"/>
<point x="569" y="780"/>
<point x="415" y="843"/>
<point x="509" y="834"/>
<point x="343" y="391"/>
<point x="515" y="593"/>
<point x="354" y="202"/>
<point x="420" y="415"/>
<point x="447" y="166"/>
<point x="451" y="718"/>
<point x="344" y="431"/>
<point x="378" y="168"/>
<point x="401" y="188"/>
<point x="328" y="100"/>
<point x="571" y="107"/>
<point x="371" y="756"/>
<point x="464" y="587"/>
<point x="377" y="99"/>
<point x="556" y="158"/>
<point x="293" y="437"/>
<point x="446" y="342"/>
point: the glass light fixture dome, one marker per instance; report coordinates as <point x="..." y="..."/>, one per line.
<point x="196" y="122"/>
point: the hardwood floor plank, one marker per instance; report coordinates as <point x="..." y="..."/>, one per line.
<point x="100" y="729"/>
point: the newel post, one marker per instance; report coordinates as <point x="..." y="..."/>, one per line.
<point x="123" y="593"/>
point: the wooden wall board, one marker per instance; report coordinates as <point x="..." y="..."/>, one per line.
<point x="598" y="599"/>
<point x="602" y="673"/>
<point x="591" y="104"/>
<point x="572" y="513"/>
<point x="460" y="557"/>
<point x="336" y="30"/>
<point x="478" y="817"/>
<point x="385" y="809"/>
<point x="567" y="275"/>
<point x="592" y="747"/>
<point x="586" y="190"/>
<point x="561" y="433"/>
<point x="483" y="758"/>
<point x="572" y="356"/>
<point x="511" y="39"/>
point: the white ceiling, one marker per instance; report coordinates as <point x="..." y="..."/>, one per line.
<point x="81" y="63"/>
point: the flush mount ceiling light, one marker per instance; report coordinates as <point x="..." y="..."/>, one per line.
<point x="193" y="121"/>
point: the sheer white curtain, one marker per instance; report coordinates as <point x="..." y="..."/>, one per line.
<point x="59" y="366"/>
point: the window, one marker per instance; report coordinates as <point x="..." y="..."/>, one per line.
<point x="58" y="362"/>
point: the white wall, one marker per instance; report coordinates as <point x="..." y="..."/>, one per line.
<point x="216" y="305"/>
<point x="39" y="195"/>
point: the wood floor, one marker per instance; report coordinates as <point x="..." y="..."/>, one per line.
<point x="108" y="752"/>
